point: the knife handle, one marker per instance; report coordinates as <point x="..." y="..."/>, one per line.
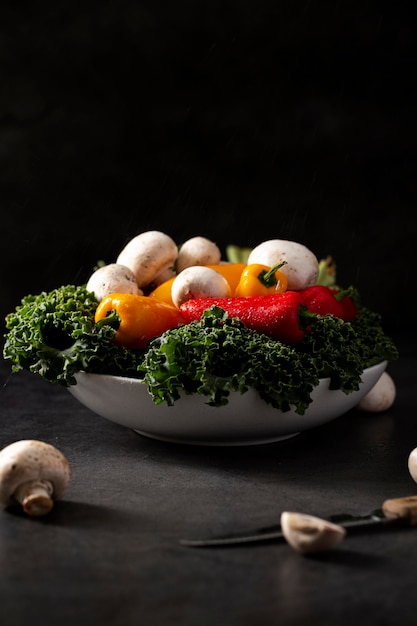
<point x="402" y="509"/>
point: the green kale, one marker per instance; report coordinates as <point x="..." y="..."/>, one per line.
<point x="342" y="350"/>
<point x="54" y="335"/>
<point x="217" y="355"/>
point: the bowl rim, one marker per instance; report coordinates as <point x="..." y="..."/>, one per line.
<point x="134" y="380"/>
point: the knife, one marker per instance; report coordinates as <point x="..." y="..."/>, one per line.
<point x="394" y="512"/>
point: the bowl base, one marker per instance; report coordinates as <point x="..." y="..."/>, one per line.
<point x="216" y="442"/>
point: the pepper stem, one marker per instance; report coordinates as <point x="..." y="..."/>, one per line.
<point x="343" y="293"/>
<point x="306" y="318"/>
<point x="267" y="277"/>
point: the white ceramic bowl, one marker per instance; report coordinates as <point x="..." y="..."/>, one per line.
<point x="245" y="420"/>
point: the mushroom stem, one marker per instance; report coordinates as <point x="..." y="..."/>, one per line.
<point x="35" y="496"/>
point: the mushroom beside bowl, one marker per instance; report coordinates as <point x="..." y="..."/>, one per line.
<point x="245" y="420"/>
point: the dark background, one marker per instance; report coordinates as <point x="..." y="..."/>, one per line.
<point x="238" y="120"/>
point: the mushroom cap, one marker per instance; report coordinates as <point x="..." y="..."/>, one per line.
<point x="198" y="281"/>
<point x="28" y="460"/>
<point x="301" y="268"/>
<point x="147" y="255"/>
<point x="381" y="397"/>
<point x="412" y="464"/>
<point x="198" y="251"/>
<point x="112" y="278"/>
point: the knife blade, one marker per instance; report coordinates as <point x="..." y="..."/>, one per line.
<point x="394" y="511"/>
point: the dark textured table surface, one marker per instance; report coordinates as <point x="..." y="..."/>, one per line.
<point x="110" y="551"/>
<point x="289" y="120"/>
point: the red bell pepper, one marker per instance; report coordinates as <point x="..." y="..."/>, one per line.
<point x="325" y="301"/>
<point x="277" y="315"/>
<point x="321" y="300"/>
<point x="350" y="312"/>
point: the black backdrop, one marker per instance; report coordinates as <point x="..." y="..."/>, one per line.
<point x="238" y="120"/>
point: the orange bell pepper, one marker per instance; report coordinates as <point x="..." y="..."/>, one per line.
<point x="261" y="280"/>
<point x="141" y="318"/>
<point x="231" y="272"/>
<point x="163" y="292"/>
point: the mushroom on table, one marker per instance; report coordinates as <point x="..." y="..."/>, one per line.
<point x="381" y="397"/>
<point x="34" y="474"/>
<point x="309" y="534"/>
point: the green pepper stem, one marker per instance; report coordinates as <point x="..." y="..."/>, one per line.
<point x="306" y="317"/>
<point x="339" y="295"/>
<point x="112" y="318"/>
<point x="267" y="277"/>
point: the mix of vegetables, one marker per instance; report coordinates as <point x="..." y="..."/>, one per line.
<point x="184" y="321"/>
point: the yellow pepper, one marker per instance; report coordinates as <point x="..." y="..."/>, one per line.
<point x="141" y="318"/>
<point x="261" y="280"/>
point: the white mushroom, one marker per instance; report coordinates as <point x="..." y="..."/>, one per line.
<point x="412" y="464"/>
<point x="165" y="275"/>
<point x="113" y="278"/>
<point x="34" y="474"/>
<point x="198" y="281"/>
<point x="197" y="251"/>
<point x="381" y="397"/>
<point x="308" y="534"/>
<point x="301" y="268"/>
<point x="148" y="255"/>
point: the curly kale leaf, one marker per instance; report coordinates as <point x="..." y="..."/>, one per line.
<point x="376" y="345"/>
<point x="342" y="350"/>
<point x="217" y="355"/>
<point x="54" y="335"/>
